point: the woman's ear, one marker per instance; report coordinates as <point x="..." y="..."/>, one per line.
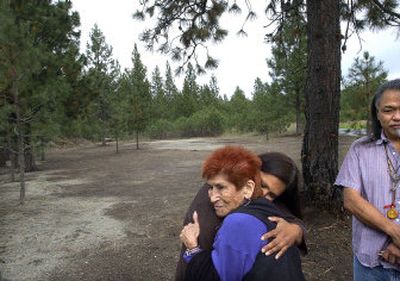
<point x="248" y="189"/>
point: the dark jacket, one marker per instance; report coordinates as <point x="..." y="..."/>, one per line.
<point x="287" y="268"/>
<point x="209" y="224"/>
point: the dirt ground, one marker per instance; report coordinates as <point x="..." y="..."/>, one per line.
<point x="92" y="214"/>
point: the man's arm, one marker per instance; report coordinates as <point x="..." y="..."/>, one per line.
<point x="369" y="214"/>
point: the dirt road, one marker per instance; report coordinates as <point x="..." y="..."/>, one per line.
<point x="91" y="214"/>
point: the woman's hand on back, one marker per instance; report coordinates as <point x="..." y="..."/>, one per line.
<point x="190" y="233"/>
<point x="282" y="237"/>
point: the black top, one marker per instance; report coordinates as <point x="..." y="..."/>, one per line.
<point x="209" y="224"/>
<point x="286" y="268"/>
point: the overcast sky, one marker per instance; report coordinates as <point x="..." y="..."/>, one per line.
<point x="241" y="59"/>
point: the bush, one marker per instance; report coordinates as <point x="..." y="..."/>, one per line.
<point x="82" y="128"/>
<point x="161" y="129"/>
<point x="204" y="123"/>
<point x="207" y="123"/>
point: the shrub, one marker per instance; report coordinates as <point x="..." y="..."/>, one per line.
<point x="161" y="129"/>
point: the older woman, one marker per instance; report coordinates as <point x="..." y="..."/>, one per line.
<point x="280" y="183"/>
<point x="233" y="177"/>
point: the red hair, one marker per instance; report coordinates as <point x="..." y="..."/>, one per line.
<point x="236" y="163"/>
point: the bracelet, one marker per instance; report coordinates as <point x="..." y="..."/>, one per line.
<point x="193" y="251"/>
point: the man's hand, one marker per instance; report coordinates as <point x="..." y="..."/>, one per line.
<point x="190" y="233"/>
<point x="282" y="237"/>
<point x="391" y="254"/>
<point x="368" y="214"/>
<point x="394" y="233"/>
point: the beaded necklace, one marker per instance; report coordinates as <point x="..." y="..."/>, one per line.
<point x="392" y="213"/>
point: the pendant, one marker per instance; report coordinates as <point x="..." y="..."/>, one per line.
<point x="392" y="213"/>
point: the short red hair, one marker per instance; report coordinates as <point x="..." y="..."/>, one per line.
<point x="236" y="163"/>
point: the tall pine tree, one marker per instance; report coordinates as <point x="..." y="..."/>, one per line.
<point x="101" y="76"/>
<point x="137" y="95"/>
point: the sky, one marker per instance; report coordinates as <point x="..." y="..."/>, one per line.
<point x="241" y="59"/>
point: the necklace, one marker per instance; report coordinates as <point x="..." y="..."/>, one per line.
<point x="392" y="213"/>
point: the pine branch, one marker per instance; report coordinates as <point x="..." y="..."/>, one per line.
<point x="387" y="11"/>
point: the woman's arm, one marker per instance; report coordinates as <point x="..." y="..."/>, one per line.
<point x="289" y="231"/>
<point x="236" y="245"/>
<point x="283" y="237"/>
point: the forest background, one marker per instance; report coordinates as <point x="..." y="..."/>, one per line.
<point x="50" y="90"/>
<point x="87" y="210"/>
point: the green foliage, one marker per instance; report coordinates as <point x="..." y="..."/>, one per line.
<point x="135" y="90"/>
<point x="270" y="114"/>
<point x="160" y="102"/>
<point x="199" y="22"/>
<point x="357" y="125"/>
<point x="364" y="77"/>
<point x="38" y="48"/>
<point x="187" y="100"/>
<point x="237" y="114"/>
<point x="205" y="17"/>
<point x="208" y="95"/>
<point x="162" y="129"/>
<point x="102" y="73"/>
<point x="289" y="62"/>
<point x="205" y="123"/>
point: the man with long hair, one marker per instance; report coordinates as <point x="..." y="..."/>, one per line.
<point x="370" y="177"/>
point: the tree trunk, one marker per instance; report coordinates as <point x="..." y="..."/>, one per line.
<point x="11" y="154"/>
<point x="30" y="164"/>
<point x="322" y="95"/>
<point x="137" y="139"/>
<point x="298" y="113"/>
<point x="3" y="157"/>
<point x="42" y="149"/>
<point x="103" y="138"/>
<point x="116" y="143"/>
<point x="20" y="142"/>
<point x="13" y="160"/>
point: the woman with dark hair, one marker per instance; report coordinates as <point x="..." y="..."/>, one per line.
<point x="285" y="188"/>
<point x="235" y="193"/>
<point x="278" y="173"/>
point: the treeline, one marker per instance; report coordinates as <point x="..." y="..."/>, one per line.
<point x="49" y="89"/>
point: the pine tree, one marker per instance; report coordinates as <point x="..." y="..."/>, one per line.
<point x="160" y="102"/>
<point x="208" y="95"/>
<point x="137" y="94"/>
<point x="269" y="114"/>
<point x="199" y="22"/>
<point x="101" y="78"/>
<point x="188" y="100"/>
<point x="289" y="62"/>
<point x="364" y="77"/>
<point x="171" y="93"/>
<point x="239" y="107"/>
<point x="34" y="41"/>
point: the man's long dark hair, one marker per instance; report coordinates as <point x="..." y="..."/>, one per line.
<point x="376" y="127"/>
<point x="284" y="168"/>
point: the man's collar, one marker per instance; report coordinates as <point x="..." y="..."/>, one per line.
<point x="383" y="139"/>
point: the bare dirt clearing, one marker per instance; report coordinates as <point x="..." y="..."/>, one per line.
<point x="91" y="214"/>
